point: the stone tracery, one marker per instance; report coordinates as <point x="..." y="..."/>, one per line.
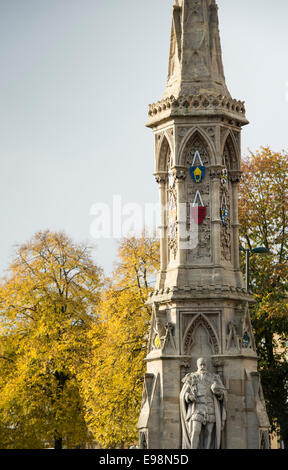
<point x="189" y="336"/>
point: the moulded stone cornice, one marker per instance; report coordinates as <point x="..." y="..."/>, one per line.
<point x="196" y="105"/>
<point x="200" y="292"/>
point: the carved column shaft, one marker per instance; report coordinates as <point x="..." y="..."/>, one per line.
<point x="161" y="180"/>
<point x="215" y="220"/>
<point x="235" y="227"/>
<point x="182" y="214"/>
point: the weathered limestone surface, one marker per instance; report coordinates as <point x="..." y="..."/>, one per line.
<point x="195" y="63"/>
<point x="200" y="305"/>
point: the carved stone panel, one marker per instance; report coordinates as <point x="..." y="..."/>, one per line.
<point x="233" y="337"/>
<point x="172" y="222"/>
<point x="211" y="132"/>
<point x="156" y="332"/>
<point x="225" y="205"/>
<point x="226" y="233"/>
<point x="237" y="135"/>
<point x="201" y="335"/>
<point x="248" y="340"/>
<point x="196" y="143"/>
<point x="203" y="249"/>
<point x="181" y="133"/>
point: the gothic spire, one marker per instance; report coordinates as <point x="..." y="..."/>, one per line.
<point x="195" y="63"/>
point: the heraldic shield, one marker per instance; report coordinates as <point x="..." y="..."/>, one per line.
<point x="198" y="212"/>
<point x="224" y="211"/>
<point x="197" y="171"/>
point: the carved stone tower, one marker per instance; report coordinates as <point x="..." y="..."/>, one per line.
<point x="200" y="305"/>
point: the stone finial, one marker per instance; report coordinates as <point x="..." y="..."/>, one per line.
<point x="195" y="63"/>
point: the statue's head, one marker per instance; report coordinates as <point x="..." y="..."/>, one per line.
<point x="202" y="365"/>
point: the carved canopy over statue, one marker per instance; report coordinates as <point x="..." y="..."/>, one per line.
<point x="203" y="409"/>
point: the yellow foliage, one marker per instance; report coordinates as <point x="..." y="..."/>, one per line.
<point x="112" y="385"/>
<point x="46" y="308"/>
<point x="72" y="350"/>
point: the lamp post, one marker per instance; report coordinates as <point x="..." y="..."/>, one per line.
<point x="259" y="250"/>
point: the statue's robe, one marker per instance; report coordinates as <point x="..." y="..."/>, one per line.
<point x="188" y="409"/>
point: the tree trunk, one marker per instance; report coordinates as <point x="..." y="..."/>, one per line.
<point x="58" y="443"/>
<point x="284" y="429"/>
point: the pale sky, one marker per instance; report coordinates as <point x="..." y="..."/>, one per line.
<point x="76" y="78"/>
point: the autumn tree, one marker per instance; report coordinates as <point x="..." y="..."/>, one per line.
<point x="112" y="383"/>
<point x="46" y="310"/>
<point x="264" y="222"/>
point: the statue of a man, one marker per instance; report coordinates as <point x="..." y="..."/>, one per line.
<point x="203" y="409"/>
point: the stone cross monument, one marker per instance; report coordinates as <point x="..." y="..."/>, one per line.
<point x="202" y="388"/>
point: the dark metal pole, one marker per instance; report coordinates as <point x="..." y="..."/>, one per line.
<point x="247" y="270"/>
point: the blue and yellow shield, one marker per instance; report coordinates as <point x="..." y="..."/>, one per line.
<point x="197" y="173"/>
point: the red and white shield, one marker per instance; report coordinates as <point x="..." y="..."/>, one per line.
<point x="198" y="212"/>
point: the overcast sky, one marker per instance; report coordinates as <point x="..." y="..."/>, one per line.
<point x="76" y="77"/>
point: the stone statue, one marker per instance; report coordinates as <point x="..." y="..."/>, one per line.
<point x="203" y="409"/>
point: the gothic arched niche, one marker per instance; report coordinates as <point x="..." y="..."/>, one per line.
<point x="231" y="162"/>
<point x="230" y="159"/>
<point x="200" y="339"/>
<point x="196" y="143"/>
<point x="164" y="156"/>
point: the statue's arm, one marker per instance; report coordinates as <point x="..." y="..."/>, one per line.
<point x="190" y="394"/>
<point x="187" y="397"/>
<point x="218" y="388"/>
<point x="190" y="397"/>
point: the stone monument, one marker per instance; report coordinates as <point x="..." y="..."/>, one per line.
<point x="200" y="306"/>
